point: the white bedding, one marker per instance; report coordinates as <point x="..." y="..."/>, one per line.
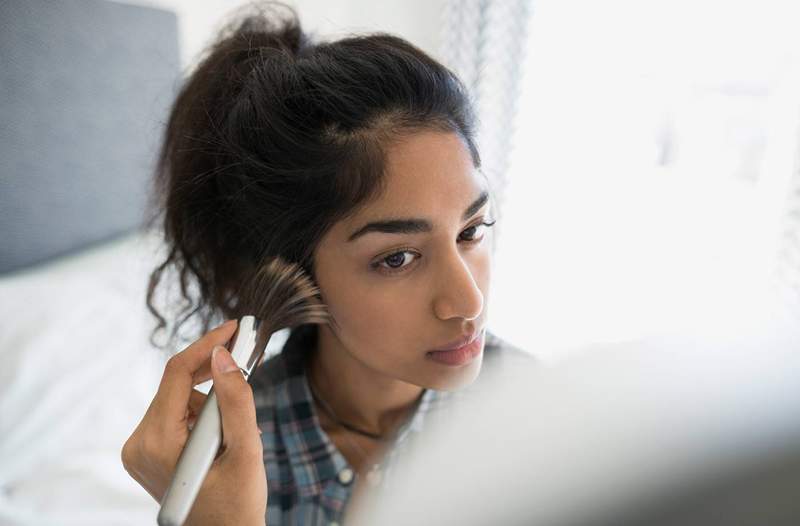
<point x="77" y="374"/>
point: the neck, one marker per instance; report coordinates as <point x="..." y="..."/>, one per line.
<point x="358" y="394"/>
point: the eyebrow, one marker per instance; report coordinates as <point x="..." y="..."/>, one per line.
<point x="413" y="225"/>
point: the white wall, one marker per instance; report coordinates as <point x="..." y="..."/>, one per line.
<point x="415" y="20"/>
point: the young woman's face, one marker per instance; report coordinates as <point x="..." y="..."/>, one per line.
<point x="403" y="289"/>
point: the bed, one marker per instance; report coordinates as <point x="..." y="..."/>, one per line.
<point x="85" y="89"/>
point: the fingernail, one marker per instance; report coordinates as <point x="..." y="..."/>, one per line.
<point x="223" y="360"/>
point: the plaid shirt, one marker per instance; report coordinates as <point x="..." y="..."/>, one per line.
<point x="308" y="479"/>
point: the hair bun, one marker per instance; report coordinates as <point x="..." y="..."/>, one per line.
<point x="266" y="25"/>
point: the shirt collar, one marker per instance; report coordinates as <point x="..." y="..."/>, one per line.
<point x="312" y="456"/>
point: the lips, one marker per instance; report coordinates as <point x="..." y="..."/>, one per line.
<point x="455" y="344"/>
<point x="460" y="355"/>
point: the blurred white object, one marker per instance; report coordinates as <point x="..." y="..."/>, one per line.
<point x="679" y="431"/>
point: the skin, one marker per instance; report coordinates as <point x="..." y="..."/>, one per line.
<point x="373" y="366"/>
<point x="234" y="491"/>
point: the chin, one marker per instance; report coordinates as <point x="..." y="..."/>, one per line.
<point x="455" y="378"/>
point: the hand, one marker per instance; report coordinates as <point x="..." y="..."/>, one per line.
<point x="235" y="489"/>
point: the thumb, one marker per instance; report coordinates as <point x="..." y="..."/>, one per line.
<point x="236" y="405"/>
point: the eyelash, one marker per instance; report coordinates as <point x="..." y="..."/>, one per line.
<point x="377" y="265"/>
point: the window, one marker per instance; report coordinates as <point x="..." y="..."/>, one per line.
<point x="653" y="157"/>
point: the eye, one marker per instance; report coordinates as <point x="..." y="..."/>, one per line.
<point x="399" y="261"/>
<point x="395" y="262"/>
<point x="471" y="232"/>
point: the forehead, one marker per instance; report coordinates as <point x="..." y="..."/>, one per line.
<point x="427" y="174"/>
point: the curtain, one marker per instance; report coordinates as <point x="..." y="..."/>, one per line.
<point x="484" y="42"/>
<point x="788" y="263"/>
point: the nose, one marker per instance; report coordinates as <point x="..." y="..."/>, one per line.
<point x="457" y="293"/>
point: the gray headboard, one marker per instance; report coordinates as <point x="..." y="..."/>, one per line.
<point x="85" y="86"/>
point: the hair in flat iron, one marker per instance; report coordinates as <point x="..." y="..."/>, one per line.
<point x="282" y="295"/>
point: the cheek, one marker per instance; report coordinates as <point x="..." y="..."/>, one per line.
<point x="374" y="318"/>
<point x="363" y="311"/>
<point x="482" y="270"/>
<point x="485" y="265"/>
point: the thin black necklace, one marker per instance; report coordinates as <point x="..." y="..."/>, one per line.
<point x="329" y="411"/>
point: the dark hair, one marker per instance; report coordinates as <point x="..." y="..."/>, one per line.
<point x="273" y="138"/>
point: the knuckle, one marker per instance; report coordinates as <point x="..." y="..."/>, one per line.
<point x="135" y="454"/>
<point x="146" y="446"/>
<point x="151" y="447"/>
<point x="174" y="364"/>
<point x="127" y="453"/>
<point x="155" y="454"/>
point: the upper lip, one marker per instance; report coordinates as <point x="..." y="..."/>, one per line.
<point x="461" y="342"/>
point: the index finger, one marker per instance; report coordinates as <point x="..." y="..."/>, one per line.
<point x="177" y="382"/>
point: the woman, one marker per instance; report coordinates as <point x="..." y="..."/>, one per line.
<point x="355" y="159"/>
